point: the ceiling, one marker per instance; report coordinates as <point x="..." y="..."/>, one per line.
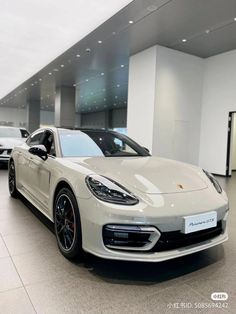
<point x="97" y="66"/>
<point x="33" y="33"/>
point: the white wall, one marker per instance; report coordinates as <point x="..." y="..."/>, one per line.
<point x="178" y="105"/>
<point x="164" y="102"/>
<point x="233" y="159"/>
<point x="219" y="98"/>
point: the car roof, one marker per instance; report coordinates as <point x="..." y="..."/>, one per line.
<point x="56" y="129"/>
<point x="87" y="130"/>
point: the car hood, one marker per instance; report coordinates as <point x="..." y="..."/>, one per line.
<point x="9" y="142"/>
<point x="152" y="175"/>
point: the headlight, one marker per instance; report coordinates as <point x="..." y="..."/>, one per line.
<point x="109" y="191"/>
<point x="213" y="181"/>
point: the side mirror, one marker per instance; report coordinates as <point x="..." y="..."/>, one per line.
<point x="146" y="149"/>
<point x="40" y="151"/>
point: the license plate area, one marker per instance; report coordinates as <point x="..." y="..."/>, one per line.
<point x="199" y="222"/>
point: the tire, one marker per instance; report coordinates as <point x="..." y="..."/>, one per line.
<point x="67" y="225"/>
<point x="12" y="180"/>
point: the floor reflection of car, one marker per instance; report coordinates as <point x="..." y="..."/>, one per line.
<point x="9" y="138"/>
<point x="108" y="196"/>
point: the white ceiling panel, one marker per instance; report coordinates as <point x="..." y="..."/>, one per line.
<point x="33" y="33"/>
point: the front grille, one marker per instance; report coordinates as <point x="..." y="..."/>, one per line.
<point x="175" y="239"/>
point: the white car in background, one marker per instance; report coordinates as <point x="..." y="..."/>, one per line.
<point x="9" y="138"/>
<point x="108" y="196"/>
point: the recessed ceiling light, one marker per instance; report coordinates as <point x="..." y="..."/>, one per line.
<point x="55" y="70"/>
<point x="104" y="99"/>
<point x="88" y="50"/>
<point x="49" y="73"/>
<point x="122" y="66"/>
<point x="118" y="85"/>
<point x="86" y="80"/>
<point x="40" y="79"/>
<point x="207" y="31"/>
<point x="74" y="85"/>
<point x="116" y="97"/>
<point x="78" y="55"/>
<point x="32" y="84"/>
<point x="184" y="40"/>
<point x="91" y="93"/>
<point x="102" y="74"/>
<point x="100" y="41"/>
<point x="62" y="65"/>
<point x="235" y="19"/>
<point x="115" y="105"/>
<point x="131" y="22"/>
<point x="113" y="33"/>
<point x="25" y="88"/>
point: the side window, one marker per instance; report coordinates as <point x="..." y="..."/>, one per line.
<point x="49" y="143"/>
<point x="35" y="139"/>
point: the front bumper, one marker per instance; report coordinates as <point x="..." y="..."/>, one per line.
<point x="164" y="212"/>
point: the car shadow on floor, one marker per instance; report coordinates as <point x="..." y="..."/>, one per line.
<point x="152" y="273"/>
<point x="3" y="166"/>
<point x="123" y="272"/>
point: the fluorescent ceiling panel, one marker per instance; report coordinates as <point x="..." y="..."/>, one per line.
<point x="33" y="33"/>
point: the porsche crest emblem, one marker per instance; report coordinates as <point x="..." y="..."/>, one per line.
<point x="180" y="186"/>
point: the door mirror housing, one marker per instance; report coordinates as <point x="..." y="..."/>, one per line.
<point x="147" y="150"/>
<point x="40" y="151"/>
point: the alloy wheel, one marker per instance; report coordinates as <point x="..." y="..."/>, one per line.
<point x="11" y="177"/>
<point x="65" y="222"/>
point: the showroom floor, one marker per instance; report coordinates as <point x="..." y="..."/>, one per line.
<point x="35" y="278"/>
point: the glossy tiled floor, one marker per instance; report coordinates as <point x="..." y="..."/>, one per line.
<point x="35" y="278"/>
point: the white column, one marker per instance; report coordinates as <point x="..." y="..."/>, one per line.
<point x="164" y="102"/>
<point x="33" y="115"/>
<point x="65" y="107"/>
<point x="142" y="97"/>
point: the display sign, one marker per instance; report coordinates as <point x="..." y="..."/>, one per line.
<point x="200" y="222"/>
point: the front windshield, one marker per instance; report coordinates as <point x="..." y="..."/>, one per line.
<point x="88" y="143"/>
<point x="10" y="132"/>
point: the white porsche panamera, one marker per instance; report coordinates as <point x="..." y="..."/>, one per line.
<point x="108" y="196"/>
